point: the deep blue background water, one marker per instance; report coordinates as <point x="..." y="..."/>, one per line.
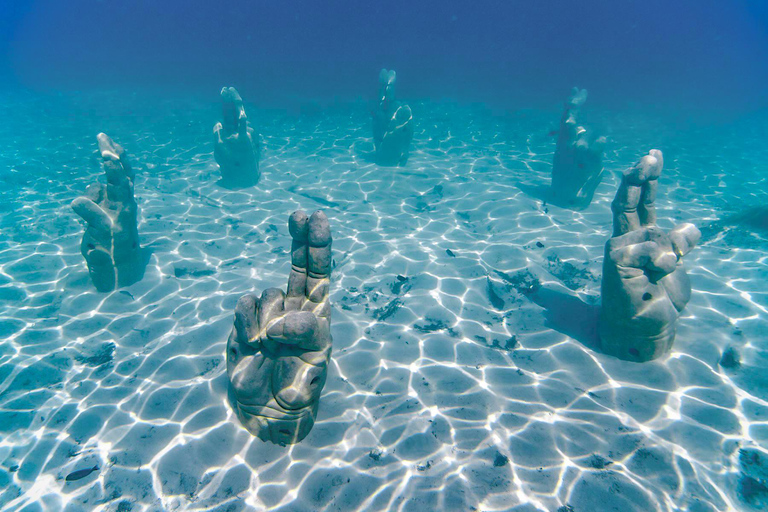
<point x="685" y="54"/>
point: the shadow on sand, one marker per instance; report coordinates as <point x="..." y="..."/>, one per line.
<point x="543" y="193"/>
<point x="568" y="314"/>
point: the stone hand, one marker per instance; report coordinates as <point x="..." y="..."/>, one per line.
<point x="577" y="167"/>
<point x="645" y="286"/>
<point x="236" y="145"/>
<point x="387" y="86"/>
<point x="280" y="346"/>
<point x="392" y="124"/>
<point x="111" y="241"/>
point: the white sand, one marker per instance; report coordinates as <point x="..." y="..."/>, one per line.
<point x="449" y="389"/>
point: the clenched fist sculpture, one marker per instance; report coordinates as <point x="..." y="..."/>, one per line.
<point x="111" y="241"/>
<point x="644" y="287"/>
<point x="280" y="346"/>
<point x="392" y="124"/>
<point x="578" y="164"/>
<point x="236" y="144"/>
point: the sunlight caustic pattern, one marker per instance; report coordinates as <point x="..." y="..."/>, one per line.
<point x="453" y="385"/>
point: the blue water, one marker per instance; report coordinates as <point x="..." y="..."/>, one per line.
<point x="449" y="387"/>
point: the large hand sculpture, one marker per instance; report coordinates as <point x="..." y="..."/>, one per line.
<point x="236" y="145"/>
<point x="392" y="124"/>
<point x="644" y="286"/>
<point x="280" y="346"/>
<point x="578" y="165"/>
<point x="111" y="241"/>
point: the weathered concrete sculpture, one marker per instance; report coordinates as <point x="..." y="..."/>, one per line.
<point x="280" y="346"/>
<point x="111" y="241"/>
<point x="578" y="165"/>
<point x="392" y="124"/>
<point x="645" y="287"/>
<point x="236" y="145"/>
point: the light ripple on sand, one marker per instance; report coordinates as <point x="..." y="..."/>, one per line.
<point x="449" y="389"/>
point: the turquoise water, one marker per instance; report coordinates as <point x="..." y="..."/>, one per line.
<point x="451" y="386"/>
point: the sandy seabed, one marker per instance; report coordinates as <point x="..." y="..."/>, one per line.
<point x="452" y="386"/>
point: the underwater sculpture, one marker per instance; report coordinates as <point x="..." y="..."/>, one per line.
<point x="236" y="145"/>
<point x="392" y="124"/>
<point x="578" y="164"/>
<point x="111" y="241"/>
<point x="280" y="346"/>
<point x="644" y="287"/>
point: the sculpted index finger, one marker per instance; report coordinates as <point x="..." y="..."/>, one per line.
<point x="92" y="214"/>
<point x="633" y="206"/>
<point x="319" y="238"/>
<point x="647" y="207"/>
<point x="319" y="257"/>
<point x="298" y="225"/>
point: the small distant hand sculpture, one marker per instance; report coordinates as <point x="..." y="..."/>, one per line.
<point x="644" y="287"/>
<point x="280" y="346"/>
<point x="111" y="241"/>
<point x="236" y="145"/>
<point x="392" y="124"/>
<point x="578" y="165"/>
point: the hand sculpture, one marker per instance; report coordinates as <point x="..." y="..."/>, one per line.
<point x="392" y="124"/>
<point x="644" y="286"/>
<point x="280" y="346"/>
<point x="236" y="146"/>
<point x="578" y="167"/>
<point x="111" y="241"/>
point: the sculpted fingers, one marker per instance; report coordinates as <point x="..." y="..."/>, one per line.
<point x="288" y="327"/>
<point x="92" y="214"/>
<point x="319" y="238"/>
<point x="646" y="210"/>
<point x="299" y="327"/>
<point x="633" y="206"/>
<point x="232" y="108"/>
<point x="242" y="123"/>
<point x="659" y="166"/>
<point x="217" y="128"/>
<point x="270" y="313"/>
<point x="318" y="258"/>
<point x="298" y="225"/>
<point x="624" y="207"/>
<point x="108" y="148"/>
<point x="115" y="161"/>
<point x="96" y="192"/>
<point x="645" y="169"/>
<point x="403" y="116"/>
<point x="654" y="163"/>
<point x="247" y="320"/>
<point x="648" y="255"/>
<point x="578" y="97"/>
<point x="684" y="238"/>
